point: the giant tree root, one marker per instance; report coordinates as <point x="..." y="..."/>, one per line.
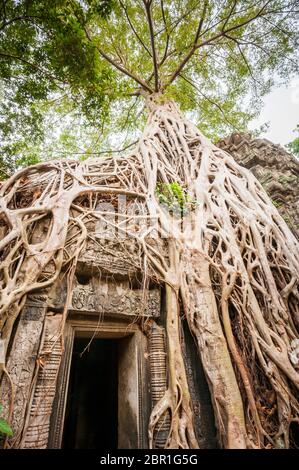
<point x="231" y="264"/>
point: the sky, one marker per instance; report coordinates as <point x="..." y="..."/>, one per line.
<point x="281" y="110"/>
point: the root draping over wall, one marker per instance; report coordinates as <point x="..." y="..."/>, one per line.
<point x="227" y="259"/>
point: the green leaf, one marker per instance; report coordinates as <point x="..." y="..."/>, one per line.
<point x="5" y="428"/>
<point x="293" y="146"/>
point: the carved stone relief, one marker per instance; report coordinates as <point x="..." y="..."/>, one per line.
<point x="35" y="354"/>
<point x="108" y="298"/>
<point x="21" y="365"/>
<point x="111" y="256"/>
<point x="37" y="429"/>
<point x="118" y="257"/>
<point x="157" y="357"/>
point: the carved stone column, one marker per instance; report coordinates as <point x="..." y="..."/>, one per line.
<point x="36" y="432"/>
<point x="21" y="364"/>
<point x="157" y="356"/>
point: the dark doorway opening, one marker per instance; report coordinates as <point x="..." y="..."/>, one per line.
<point x="91" y="419"/>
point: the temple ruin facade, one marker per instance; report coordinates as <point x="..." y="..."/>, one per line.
<point x="96" y="386"/>
<point x="116" y="332"/>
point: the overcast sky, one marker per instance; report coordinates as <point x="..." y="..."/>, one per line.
<point x="281" y="110"/>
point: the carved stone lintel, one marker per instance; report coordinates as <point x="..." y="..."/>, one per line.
<point x="116" y="301"/>
<point x="109" y="299"/>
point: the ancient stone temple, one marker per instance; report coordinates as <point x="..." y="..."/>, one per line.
<point x="148" y="301"/>
<point x="274" y="167"/>
<point x="100" y="389"/>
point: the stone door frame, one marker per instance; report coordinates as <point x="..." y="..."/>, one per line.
<point x="135" y="383"/>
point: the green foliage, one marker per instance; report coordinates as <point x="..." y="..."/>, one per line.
<point x="277" y="204"/>
<point x="49" y="67"/>
<point x="4" y="426"/>
<point x="293" y="146"/>
<point x="63" y="60"/>
<point x="284" y="179"/>
<point x="287" y="219"/>
<point x="173" y="197"/>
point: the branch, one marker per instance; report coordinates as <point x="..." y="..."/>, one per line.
<point x="129" y="112"/>
<point x="102" y="152"/>
<point x="18" y="18"/>
<point x="204" y="12"/>
<point x="229" y="15"/>
<point x="212" y="39"/>
<point x="167" y="35"/>
<point x="189" y="55"/>
<point x="244" y="58"/>
<point x="31" y="64"/>
<point x="119" y="67"/>
<point x="133" y="29"/>
<point x="147" y="4"/>
<point x="176" y="22"/>
<point x="210" y="101"/>
<point x="277" y="26"/>
<point x="258" y="46"/>
<point x="194" y="47"/>
<point x="259" y="14"/>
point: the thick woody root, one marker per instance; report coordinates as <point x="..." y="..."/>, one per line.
<point x="240" y="291"/>
<point x="231" y="261"/>
<point x="177" y="400"/>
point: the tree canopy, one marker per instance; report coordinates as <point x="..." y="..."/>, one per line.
<point x="72" y="71"/>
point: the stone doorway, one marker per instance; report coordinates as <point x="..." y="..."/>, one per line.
<point x="91" y="417"/>
<point x="111" y="408"/>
